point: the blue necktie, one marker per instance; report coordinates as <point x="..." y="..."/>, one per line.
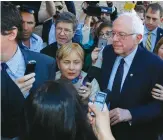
<point x="118" y="78"/>
<point x="4" y="66"/>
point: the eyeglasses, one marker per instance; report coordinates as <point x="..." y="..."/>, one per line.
<point x="108" y="34"/>
<point x="121" y="35"/>
<point x="66" y="31"/>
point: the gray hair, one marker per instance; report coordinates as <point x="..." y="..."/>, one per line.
<point x="67" y="17"/>
<point x="137" y="24"/>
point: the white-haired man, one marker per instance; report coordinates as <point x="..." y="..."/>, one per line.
<point x="130" y="72"/>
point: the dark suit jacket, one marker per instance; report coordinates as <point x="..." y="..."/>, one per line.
<point x="12" y="98"/>
<point x="51" y="51"/>
<point x="147" y="70"/>
<point x="45" y="67"/>
<point x="159" y="35"/>
<point x="12" y="101"/>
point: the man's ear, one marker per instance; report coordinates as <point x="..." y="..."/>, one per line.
<point x="139" y="37"/>
<point x="12" y="34"/>
<point x="161" y="20"/>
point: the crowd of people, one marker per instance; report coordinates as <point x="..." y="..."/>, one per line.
<point x="75" y="59"/>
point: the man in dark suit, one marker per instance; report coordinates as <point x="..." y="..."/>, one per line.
<point x="153" y="33"/>
<point x="15" y="60"/>
<point x="130" y="72"/>
<point x="66" y="25"/>
<point x="48" y="31"/>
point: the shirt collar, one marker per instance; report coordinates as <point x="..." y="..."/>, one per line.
<point x="128" y="59"/>
<point x="15" y="61"/>
<point x="34" y="37"/>
<point x="153" y="32"/>
<point x="33" y="40"/>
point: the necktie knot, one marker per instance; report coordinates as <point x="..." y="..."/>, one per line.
<point x="4" y="66"/>
<point x="122" y="61"/>
<point x="149" y="33"/>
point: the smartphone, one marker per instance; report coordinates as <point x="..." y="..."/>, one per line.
<point x="102" y="43"/>
<point x="100" y="100"/>
<point x="30" y="67"/>
<point x="88" y="78"/>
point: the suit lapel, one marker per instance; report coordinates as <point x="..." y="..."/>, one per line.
<point x="135" y="68"/>
<point x="108" y="62"/>
<point x="26" y="56"/>
<point x="159" y="35"/>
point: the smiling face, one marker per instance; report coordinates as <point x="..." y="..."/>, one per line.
<point x="71" y="65"/>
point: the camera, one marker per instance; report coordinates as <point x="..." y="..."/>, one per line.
<point x="92" y="10"/>
<point x="92" y="2"/>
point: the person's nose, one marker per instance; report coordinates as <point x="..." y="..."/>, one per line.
<point x="151" y="21"/>
<point x="71" y="67"/>
<point x="25" y="26"/>
<point x="115" y="37"/>
<point x="62" y="32"/>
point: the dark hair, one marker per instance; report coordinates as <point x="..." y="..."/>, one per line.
<point x="67" y="17"/>
<point x="10" y="17"/>
<point x="103" y="25"/>
<point x="54" y="112"/>
<point x="26" y="8"/>
<point x="158" y="45"/>
<point x="140" y="9"/>
<point x="155" y="7"/>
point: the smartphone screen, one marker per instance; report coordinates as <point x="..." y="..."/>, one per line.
<point x="30" y="67"/>
<point x="100" y="100"/>
<point x="102" y="43"/>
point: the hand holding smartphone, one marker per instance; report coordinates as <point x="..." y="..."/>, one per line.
<point x="102" y="43"/>
<point x="100" y="100"/>
<point x="88" y="78"/>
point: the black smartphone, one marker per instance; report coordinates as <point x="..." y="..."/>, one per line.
<point x="30" y="67"/>
<point x="100" y="100"/>
<point x="88" y="78"/>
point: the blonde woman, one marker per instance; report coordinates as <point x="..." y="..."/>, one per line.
<point x="70" y="58"/>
